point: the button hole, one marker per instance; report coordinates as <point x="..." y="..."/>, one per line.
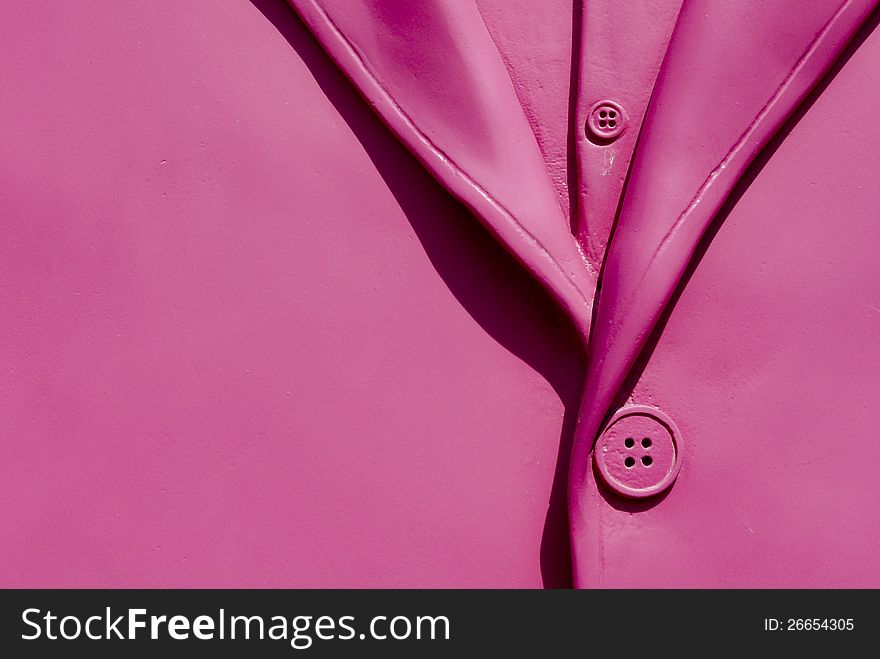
<point x="646" y="460"/>
<point x="629" y="462"/>
<point x="629" y="442"/>
<point x="646" y="442"/>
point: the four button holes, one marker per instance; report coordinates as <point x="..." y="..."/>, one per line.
<point x="606" y="120"/>
<point x="630" y="462"/>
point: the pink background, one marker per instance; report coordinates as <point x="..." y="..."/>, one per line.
<point x="248" y="340"/>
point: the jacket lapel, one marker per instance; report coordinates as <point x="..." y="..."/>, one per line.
<point x="433" y="74"/>
<point x="733" y="74"/>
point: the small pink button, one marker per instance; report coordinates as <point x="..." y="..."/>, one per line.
<point x="639" y="453"/>
<point x="606" y="120"/>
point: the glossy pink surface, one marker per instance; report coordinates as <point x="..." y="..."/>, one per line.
<point x="254" y="333"/>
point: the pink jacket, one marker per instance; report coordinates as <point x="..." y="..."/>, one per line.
<point x="256" y="336"/>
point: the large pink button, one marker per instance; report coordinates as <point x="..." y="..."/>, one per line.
<point x="639" y="453"/>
